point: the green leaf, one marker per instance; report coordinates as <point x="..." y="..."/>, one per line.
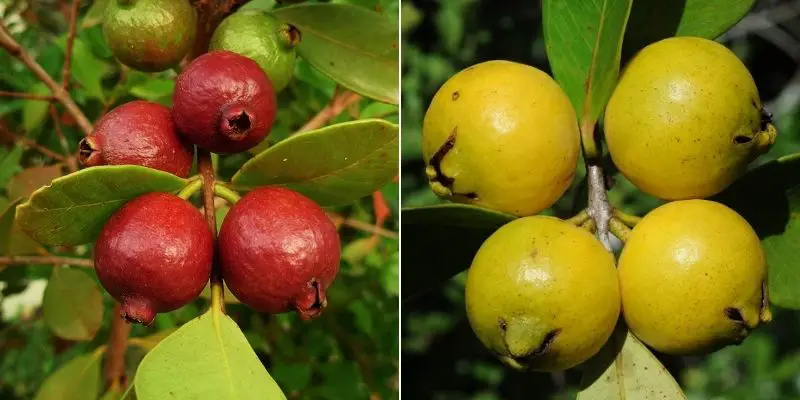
<point x="653" y="20"/>
<point x="294" y="377"/>
<point x="208" y="358"/>
<point x="626" y="369"/>
<point x="10" y="165"/>
<point x="440" y="241"/>
<point x="6" y="224"/>
<point x="356" y="47"/>
<point x="13" y="241"/>
<point x="150" y="342"/>
<point x="155" y="89"/>
<point x="584" y="42"/>
<point x="334" y="165"/>
<point x="73" y="209"/>
<point x="768" y="197"/>
<point x="34" y="111"/>
<point x="88" y="70"/>
<point x="79" y="379"/>
<point x="72" y="304"/>
<point x="95" y="14"/>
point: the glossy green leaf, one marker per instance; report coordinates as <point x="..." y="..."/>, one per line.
<point x="88" y="69"/>
<point x="626" y="369"/>
<point x="72" y="304"/>
<point x="35" y="111"/>
<point x="584" y="43"/>
<point x="215" y="362"/>
<point x="440" y="241"/>
<point x="356" y="47"/>
<point x="73" y="209"/>
<point x="13" y="241"/>
<point x="10" y="164"/>
<point x="334" y="165"/>
<point x="151" y="341"/>
<point x="768" y="197"/>
<point x="653" y="20"/>
<point x="79" y="379"/>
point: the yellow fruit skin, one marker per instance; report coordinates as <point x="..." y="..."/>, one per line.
<point x="514" y="134"/>
<point x="539" y="276"/>
<point x="673" y="120"/>
<point x="682" y="267"/>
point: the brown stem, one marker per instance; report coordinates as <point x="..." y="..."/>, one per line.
<point x="73" y="17"/>
<point x="28" y="96"/>
<point x="54" y="260"/>
<point x="117" y="343"/>
<point x="599" y="208"/>
<point x="338" y="104"/>
<point x="72" y="164"/>
<point x="12" y="47"/>
<point x="207" y="173"/>
<point x="362" y="226"/>
<point x="32" y="144"/>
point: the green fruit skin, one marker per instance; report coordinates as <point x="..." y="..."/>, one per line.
<point x="150" y="35"/>
<point x="261" y="37"/>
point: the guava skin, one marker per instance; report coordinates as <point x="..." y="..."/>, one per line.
<point x="685" y="119"/>
<point x="503" y="136"/>
<point x="137" y="133"/>
<point x="692" y="274"/>
<point x="542" y="294"/>
<point x="279" y="252"/>
<point x="224" y="103"/>
<point x="150" y="35"/>
<point x="154" y="255"/>
<point x="265" y="39"/>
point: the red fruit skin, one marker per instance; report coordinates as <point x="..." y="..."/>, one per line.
<point x="279" y="252"/>
<point x="154" y="255"/>
<point x="137" y="133"/>
<point x="224" y="103"/>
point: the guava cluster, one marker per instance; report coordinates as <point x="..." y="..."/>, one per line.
<point x="277" y="250"/>
<point x="683" y="123"/>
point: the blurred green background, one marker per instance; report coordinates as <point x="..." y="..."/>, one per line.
<point x="441" y="357"/>
<point x="350" y="352"/>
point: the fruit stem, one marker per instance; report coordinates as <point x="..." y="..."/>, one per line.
<point x="579" y="218"/>
<point x="190" y="189"/>
<point x="599" y="208"/>
<point x="206" y="168"/>
<point x="117" y="344"/>
<point x="590" y="150"/>
<point x="589" y="225"/>
<point x="619" y="229"/>
<point x="229" y="195"/>
<point x="627" y="219"/>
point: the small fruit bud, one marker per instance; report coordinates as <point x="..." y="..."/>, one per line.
<point x="154" y="255"/>
<point x="279" y="252"/>
<point x="137" y="133"/>
<point x="224" y="103"/>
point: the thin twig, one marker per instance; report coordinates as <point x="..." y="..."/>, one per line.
<point x="65" y="71"/>
<point x="362" y="226"/>
<point x="28" y="96"/>
<point x="117" y="344"/>
<point x="338" y="104"/>
<point x="599" y="208"/>
<point x="12" y="47"/>
<point x="53" y="260"/>
<point x="32" y="144"/>
<point x="72" y="164"/>
<point x="207" y="172"/>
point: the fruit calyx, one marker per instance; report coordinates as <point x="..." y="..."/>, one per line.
<point x="440" y="183"/>
<point x="235" y="122"/>
<point x="89" y="154"/>
<point x="524" y="341"/>
<point x="290" y="35"/>
<point x="312" y="302"/>
<point x="137" y="311"/>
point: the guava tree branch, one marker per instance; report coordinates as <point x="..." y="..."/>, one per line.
<point x="338" y="104"/>
<point x="52" y="260"/>
<point x="362" y="226"/>
<point x="8" y="43"/>
<point x="114" y="370"/>
<point x="68" y="158"/>
<point x="31" y="144"/>
<point x="27" y="96"/>
<point x="207" y="173"/>
<point x="73" y="18"/>
<point x="599" y="208"/>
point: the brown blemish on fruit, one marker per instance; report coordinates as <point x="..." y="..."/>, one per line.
<point x="455" y="96"/>
<point x="436" y="162"/>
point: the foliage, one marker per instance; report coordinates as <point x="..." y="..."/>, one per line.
<point x="579" y="43"/>
<point x="55" y="321"/>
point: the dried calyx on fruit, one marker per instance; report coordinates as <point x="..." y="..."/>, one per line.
<point x="154" y="255"/>
<point x="264" y="38"/>
<point x="137" y="133"/>
<point x="224" y="103"/>
<point x="279" y="252"/>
